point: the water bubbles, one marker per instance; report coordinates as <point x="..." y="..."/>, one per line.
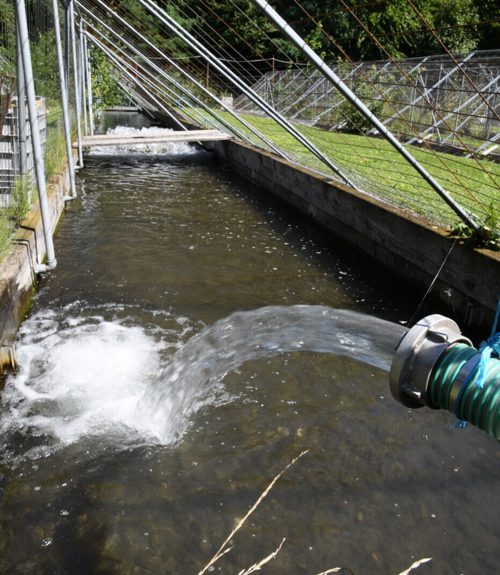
<point x="46" y="542"/>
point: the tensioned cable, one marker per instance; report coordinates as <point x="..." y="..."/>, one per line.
<point x="254" y="51"/>
<point x="195" y="64"/>
<point x="462" y="184"/>
<point x="181" y="32"/>
<point x="209" y="28"/>
<point x="252" y="129"/>
<point x="340" y="48"/>
<point x="157" y="70"/>
<point x="153" y="80"/>
<point x="300" y="42"/>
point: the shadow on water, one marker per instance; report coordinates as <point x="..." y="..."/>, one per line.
<point x="159" y="261"/>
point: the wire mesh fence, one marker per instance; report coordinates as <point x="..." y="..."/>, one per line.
<point x="420" y="98"/>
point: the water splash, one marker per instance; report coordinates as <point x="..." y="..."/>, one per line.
<point x="86" y="375"/>
<point x="170" y="148"/>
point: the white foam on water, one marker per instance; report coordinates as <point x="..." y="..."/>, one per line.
<point x="86" y="376"/>
<point x="83" y="380"/>
<point x="164" y="148"/>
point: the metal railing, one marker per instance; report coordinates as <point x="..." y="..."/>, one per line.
<point x="10" y="149"/>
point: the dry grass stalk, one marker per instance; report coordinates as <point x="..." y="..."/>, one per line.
<point x="257" y="566"/>
<point x="415" y="565"/>
<point x="223" y="548"/>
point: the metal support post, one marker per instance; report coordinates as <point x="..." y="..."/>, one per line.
<point x="21" y="109"/>
<point x="88" y="75"/>
<point x="76" y="84"/>
<point x="64" y="103"/>
<point x="22" y="25"/>
<point x="81" y="76"/>
<point x="358" y="104"/>
<point x="240" y="84"/>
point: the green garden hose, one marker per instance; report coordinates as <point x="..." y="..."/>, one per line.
<point x="435" y="366"/>
<point x="453" y="386"/>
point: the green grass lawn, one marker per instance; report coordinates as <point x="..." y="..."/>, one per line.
<point x="381" y="171"/>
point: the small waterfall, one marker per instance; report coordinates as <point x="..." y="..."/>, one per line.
<point x="161" y="149"/>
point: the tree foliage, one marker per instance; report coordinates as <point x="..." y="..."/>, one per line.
<point x="364" y="30"/>
<point x="105" y="88"/>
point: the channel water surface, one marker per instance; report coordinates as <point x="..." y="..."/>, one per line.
<point x="194" y="339"/>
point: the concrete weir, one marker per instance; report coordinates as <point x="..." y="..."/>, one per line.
<point x="469" y="281"/>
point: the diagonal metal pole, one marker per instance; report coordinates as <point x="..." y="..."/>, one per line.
<point x="193" y="80"/>
<point x="64" y="102"/>
<point x="125" y="68"/>
<point x="161" y="72"/>
<point x="240" y="84"/>
<point x="22" y="25"/>
<point x="358" y="104"/>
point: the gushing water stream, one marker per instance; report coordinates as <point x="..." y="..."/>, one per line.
<point x="198" y="367"/>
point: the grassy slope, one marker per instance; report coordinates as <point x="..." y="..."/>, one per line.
<point x="380" y="170"/>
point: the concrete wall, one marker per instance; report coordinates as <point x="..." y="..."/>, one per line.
<point x="469" y="283"/>
<point x="17" y="276"/>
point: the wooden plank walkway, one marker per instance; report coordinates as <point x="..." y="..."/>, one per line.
<point x="130" y="139"/>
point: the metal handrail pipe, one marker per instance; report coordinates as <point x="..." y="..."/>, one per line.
<point x="240" y="84"/>
<point x="367" y="113"/>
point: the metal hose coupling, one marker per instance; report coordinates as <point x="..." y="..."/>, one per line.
<point x="434" y="365"/>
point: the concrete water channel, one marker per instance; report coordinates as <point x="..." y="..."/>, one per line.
<point x="95" y="477"/>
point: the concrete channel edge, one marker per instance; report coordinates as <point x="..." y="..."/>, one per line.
<point x="17" y="276"/>
<point x="468" y="285"/>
